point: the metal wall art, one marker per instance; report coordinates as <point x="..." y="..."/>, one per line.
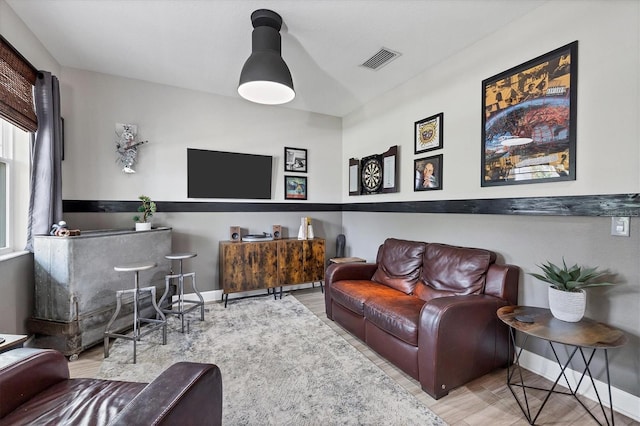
<point x="127" y="146"/>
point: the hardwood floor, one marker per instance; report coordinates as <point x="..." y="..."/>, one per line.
<point x="485" y="401"/>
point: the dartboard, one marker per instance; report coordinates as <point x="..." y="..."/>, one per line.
<point x="371" y="175"/>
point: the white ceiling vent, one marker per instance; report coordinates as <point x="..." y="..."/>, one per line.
<point x="380" y="59"/>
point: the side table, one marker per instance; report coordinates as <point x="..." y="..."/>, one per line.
<point x="585" y="337"/>
<point x="11" y="341"/>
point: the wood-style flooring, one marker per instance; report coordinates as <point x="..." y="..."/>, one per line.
<point x="485" y="401"/>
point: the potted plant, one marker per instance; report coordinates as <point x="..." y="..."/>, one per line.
<point x="567" y="298"/>
<point x="147" y="208"/>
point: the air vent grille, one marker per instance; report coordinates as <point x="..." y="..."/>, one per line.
<point x="380" y="59"/>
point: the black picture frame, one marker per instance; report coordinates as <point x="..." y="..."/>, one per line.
<point x="295" y="160"/>
<point x="529" y="121"/>
<point x="354" y="176"/>
<point x="435" y="181"/>
<point x="295" y="188"/>
<point x="428" y="133"/>
<point x="390" y="170"/>
<point x="61" y="138"/>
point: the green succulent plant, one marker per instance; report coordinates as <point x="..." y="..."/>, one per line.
<point x="570" y="279"/>
<point x="147" y="208"/>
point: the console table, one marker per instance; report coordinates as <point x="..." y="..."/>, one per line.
<point x="258" y="265"/>
<point x="585" y="337"/>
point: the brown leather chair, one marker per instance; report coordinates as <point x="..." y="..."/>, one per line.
<point x="35" y="388"/>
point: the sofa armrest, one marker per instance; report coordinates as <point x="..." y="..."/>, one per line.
<point x="460" y="338"/>
<point x="344" y="271"/>
<point x="350" y="271"/>
<point x="186" y="393"/>
<point x="502" y="282"/>
<point x="25" y="372"/>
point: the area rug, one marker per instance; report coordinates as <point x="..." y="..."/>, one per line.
<point x="281" y="365"/>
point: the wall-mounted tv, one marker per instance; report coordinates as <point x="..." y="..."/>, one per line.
<point x="219" y="174"/>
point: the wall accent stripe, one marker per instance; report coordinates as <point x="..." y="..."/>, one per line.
<point x="582" y="205"/>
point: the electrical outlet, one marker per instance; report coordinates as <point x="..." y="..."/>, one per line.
<point x="620" y="226"/>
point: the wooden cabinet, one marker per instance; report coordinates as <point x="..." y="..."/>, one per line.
<point x="300" y="261"/>
<point x="246" y="266"/>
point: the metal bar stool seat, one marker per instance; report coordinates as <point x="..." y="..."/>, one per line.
<point x="184" y="306"/>
<point x="138" y="321"/>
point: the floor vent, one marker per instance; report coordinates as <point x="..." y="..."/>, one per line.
<point x="381" y="58"/>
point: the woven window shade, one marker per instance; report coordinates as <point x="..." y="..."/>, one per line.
<point x="17" y="77"/>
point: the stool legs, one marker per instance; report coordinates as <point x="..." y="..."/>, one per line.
<point x="182" y="309"/>
<point x="137" y="319"/>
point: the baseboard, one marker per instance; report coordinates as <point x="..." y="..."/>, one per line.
<point x="623" y="402"/>
<point x="216" y="295"/>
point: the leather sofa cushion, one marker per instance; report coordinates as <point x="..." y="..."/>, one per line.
<point x="76" y="401"/>
<point x="352" y="294"/>
<point x="427" y="293"/>
<point x="399" y="263"/>
<point x="460" y="270"/>
<point x="397" y="314"/>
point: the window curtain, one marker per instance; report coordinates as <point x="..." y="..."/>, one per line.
<point x="45" y="204"/>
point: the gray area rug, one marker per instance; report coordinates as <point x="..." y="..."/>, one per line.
<point x="281" y="365"/>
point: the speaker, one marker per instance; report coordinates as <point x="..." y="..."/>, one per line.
<point x="234" y="234"/>
<point x="277" y="232"/>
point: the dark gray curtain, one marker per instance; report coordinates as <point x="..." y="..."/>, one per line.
<point x="45" y="204"/>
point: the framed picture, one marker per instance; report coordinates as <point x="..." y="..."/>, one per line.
<point x="295" y="187"/>
<point x="529" y="121"/>
<point x="428" y="133"/>
<point x="354" y="176"/>
<point x="390" y="170"/>
<point x="428" y="173"/>
<point x="295" y="160"/>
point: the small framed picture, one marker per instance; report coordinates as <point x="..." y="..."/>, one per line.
<point x="428" y="133"/>
<point x="295" y="160"/>
<point x="295" y="187"/>
<point x="428" y="173"/>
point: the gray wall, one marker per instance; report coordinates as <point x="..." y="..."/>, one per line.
<point x="16" y="288"/>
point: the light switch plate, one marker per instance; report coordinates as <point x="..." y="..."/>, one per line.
<point x="620" y="226"/>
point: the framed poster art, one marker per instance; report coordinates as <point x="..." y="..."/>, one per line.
<point x="529" y="121"/>
<point x="295" y="187"/>
<point x="295" y="160"/>
<point x="428" y="133"/>
<point x="428" y="173"/>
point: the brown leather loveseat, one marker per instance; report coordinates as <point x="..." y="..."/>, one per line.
<point x="428" y="308"/>
<point x="35" y="388"/>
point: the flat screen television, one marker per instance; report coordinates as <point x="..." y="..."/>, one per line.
<point x="219" y="174"/>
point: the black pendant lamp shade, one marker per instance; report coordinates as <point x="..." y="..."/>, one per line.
<point x="265" y="78"/>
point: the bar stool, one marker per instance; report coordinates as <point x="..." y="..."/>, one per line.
<point x="182" y="303"/>
<point x="137" y="319"/>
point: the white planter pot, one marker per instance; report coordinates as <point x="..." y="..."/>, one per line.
<point x="143" y="226"/>
<point x="567" y="305"/>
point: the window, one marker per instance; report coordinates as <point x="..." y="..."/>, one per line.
<point x="6" y="144"/>
<point x="14" y="186"/>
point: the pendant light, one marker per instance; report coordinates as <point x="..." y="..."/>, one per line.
<point x="265" y="77"/>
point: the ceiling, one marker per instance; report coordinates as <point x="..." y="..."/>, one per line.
<point x="202" y="44"/>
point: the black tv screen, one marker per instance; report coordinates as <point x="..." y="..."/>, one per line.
<point x="219" y="174"/>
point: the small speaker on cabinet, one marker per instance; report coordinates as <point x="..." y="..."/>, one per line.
<point x="234" y="234"/>
<point x="277" y="232"/>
